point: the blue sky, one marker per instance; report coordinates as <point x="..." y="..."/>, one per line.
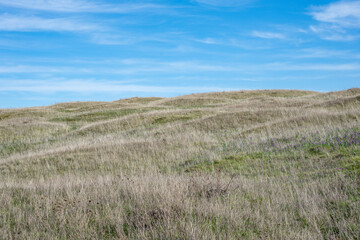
<point x="88" y="50"/>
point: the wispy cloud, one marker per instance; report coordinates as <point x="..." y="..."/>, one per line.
<point x="337" y="20"/>
<point x="140" y="68"/>
<point x="80" y="6"/>
<point x="226" y="3"/>
<point x="344" y="13"/>
<point x="130" y="67"/>
<point x="268" y="35"/>
<point x="240" y="43"/>
<point x="23" y="23"/>
<point x="340" y="37"/>
<point x="333" y="33"/>
<point x="95" y="86"/>
<point x="324" y="53"/>
<point x="208" y="41"/>
<point x="42" y="69"/>
<point x="312" y="67"/>
<point x="118" y="37"/>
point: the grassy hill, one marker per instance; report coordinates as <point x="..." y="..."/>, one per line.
<point x="271" y="164"/>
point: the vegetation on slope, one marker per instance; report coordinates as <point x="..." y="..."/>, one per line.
<point x="272" y="164"/>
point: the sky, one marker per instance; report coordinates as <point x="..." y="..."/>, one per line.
<point x="54" y="51"/>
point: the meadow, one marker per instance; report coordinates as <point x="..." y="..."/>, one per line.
<point x="266" y="164"/>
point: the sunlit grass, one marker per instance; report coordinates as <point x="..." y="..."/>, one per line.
<point x="235" y="165"/>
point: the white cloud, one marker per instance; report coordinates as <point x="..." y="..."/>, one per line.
<point x="41" y="69"/>
<point x="79" y="6"/>
<point x="22" y="23"/>
<point x="313" y="67"/>
<point x="137" y="68"/>
<point x="225" y="3"/>
<point x="210" y="41"/>
<point x="126" y="38"/>
<point x="344" y="13"/>
<point x="340" y="37"/>
<point x="123" y="68"/>
<point x="337" y="20"/>
<point x="324" y="53"/>
<point x="92" y="86"/>
<point x="333" y="33"/>
<point x="268" y="35"/>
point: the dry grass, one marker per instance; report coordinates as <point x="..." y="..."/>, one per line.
<point x="271" y="164"/>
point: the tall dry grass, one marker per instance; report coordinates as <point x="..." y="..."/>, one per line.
<point x="272" y="164"/>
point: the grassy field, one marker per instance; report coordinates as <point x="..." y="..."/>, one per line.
<point x="272" y="164"/>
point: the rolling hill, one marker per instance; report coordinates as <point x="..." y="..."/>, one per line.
<point x="266" y="164"/>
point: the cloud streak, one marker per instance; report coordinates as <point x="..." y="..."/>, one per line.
<point x="325" y="53"/>
<point x="22" y="23"/>
<point x="333" y="33"/>
<point x="74" y="6"/>
<point x="313" y="67"/>
<point x="226" y="3"/>
<point x="141" y="68"/>
<point x="133" y="67"/>
<point x="267" y="35"/>
<point x="95" y="86"/>
<point x="42" y="69"/>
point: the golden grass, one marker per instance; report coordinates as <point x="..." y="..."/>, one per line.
<point x="201" y="166"/>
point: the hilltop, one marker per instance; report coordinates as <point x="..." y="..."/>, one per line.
<point x="266" y="164"/>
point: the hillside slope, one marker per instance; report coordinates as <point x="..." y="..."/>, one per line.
<point x="270" y="164"/>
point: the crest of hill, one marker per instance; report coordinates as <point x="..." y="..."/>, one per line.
<point x="255" y="93"/>
<point x="211" y="99"/>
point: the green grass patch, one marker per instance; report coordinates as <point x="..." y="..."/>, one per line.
<point x="310" y="163"/>
<point x="7" y="149"/>
<point x="173" y="117"/>
<point x="97" y="116"/>
<point x="186" y="103"/>
<point x="86" y="163"/>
